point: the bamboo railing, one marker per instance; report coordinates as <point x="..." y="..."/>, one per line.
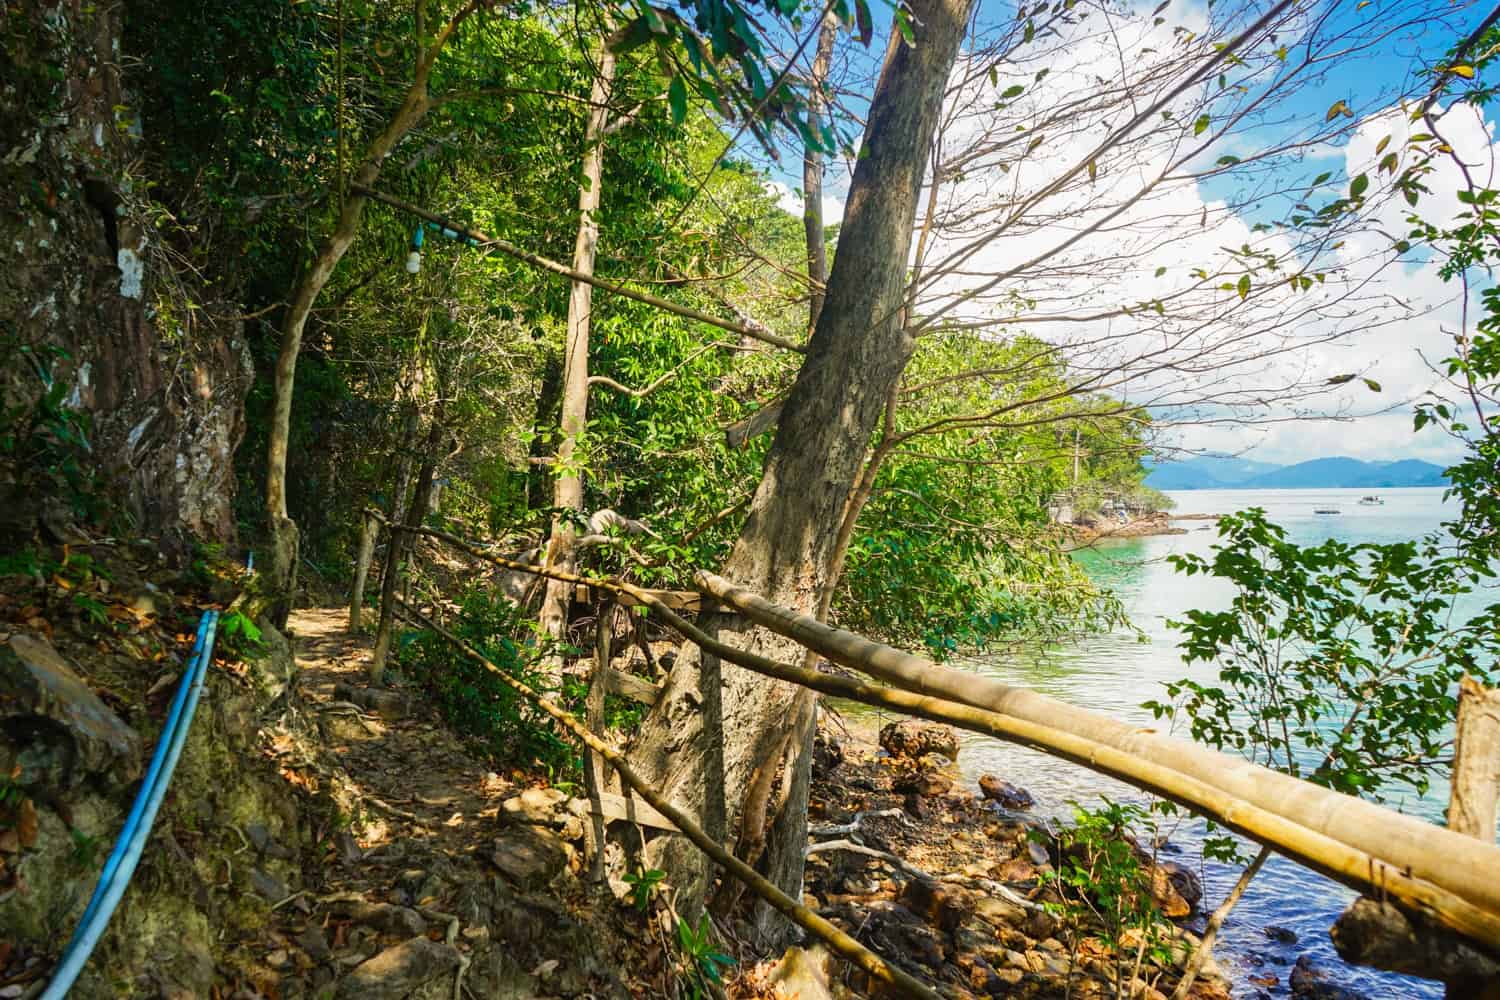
<point x="1449" y="878"/>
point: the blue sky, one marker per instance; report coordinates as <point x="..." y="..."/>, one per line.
<point x="1367" y="82"/>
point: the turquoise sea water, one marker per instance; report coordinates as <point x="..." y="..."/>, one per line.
<point x="1115" y="673"/>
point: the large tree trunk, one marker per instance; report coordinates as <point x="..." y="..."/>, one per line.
<point x="567" y="493"/>
<point x="704" y="757"/>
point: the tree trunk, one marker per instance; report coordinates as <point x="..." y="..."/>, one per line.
<point x="401" y="544"/>
<point x="369" y="528"/>
<point x="812" y="172"/>
<point x="855" y="356"/>
<point x="281" y="571"/>
<point x="567" y="492"/>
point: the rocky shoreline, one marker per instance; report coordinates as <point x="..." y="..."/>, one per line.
<point x="961" y="887"/>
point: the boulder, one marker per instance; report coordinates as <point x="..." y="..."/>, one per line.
<point x="891" y="929"/>
<point x="1008" y="795"/>
<point x="398" y="971"/>
<point x="1164" y="893"/>
<point x="1185" y="880"/>
<point x="62" y="732"/>
<point x="942" y="905"/>
<point x="828" y="754"/>
<point x="914" y="738"/>
<point x="928" y="784"/>
<point x="1309" y="982"/>
<point x="529" y="856"/>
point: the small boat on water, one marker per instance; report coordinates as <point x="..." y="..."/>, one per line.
<point x="1326" y="510"/>
<point x="1371" y="501"/>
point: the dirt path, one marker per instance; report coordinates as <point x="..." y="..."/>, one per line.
<point x="400" y="893"/>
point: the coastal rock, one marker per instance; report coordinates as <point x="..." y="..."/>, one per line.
<point x="913" y="739"/>
<point x="891" y="929"/>
<point x="941" y="905"/>
<point x="1008" y="795"/>
<point x="1309" y="982"/>
<point x="1281" y="935"/>
<point x="1164" y="892"/>
<point x="1185" y="880"/>
<point x="828" y="754"/>
<point x="924" y="783"/>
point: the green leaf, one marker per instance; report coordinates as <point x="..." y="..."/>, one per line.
<point x="1201" y="125"/>
<point x="677" y="98"/>
<point x="1243" y="287"/>
<point x="1358" y="185"/>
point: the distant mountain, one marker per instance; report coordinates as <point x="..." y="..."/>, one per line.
<point x="1216" y="473"/>
<point x="1206" y="472"/>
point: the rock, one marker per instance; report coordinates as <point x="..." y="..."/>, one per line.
<point x="1008" y="795"/>
<point x="315" y="943"/>
<point x="942" y="905"/>
<point x="268" y="885"/>
<point x="803" y="974"/>
<point x="398" y="971"/>
<point x="388" y="918"/>
<point x="389" y="705"/>
<point x="547" y="807"/>
<point x="928" y="784"/>
<point x="65" y="732"/>
<point x="913" y="738"/>
<point x="1185" y="880"/>
<point x="891" y="929"/>
<point x="1281" y="935"/>
<point x="1164" y="893"/>
<point x="999" y="912"/>
<point x="915" y="806"/>
<point x="529" y="856"/>
<point x="1311" y="983"/>
<point x="828" y="754"/>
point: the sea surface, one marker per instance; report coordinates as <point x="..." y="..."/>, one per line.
<point x="1115" y="673"/>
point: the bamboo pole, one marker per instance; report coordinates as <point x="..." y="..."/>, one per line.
<point x="753" y="330"/>
<point x="1464" y="867"/>
<point x="841" y="943"/>
<point x="1356" y="868"/>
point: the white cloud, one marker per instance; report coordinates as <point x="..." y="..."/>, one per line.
<point x="1204" y="355"/>
<point x="790" y="200"/>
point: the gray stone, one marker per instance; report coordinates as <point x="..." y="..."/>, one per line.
<point x="386" y="917"/>
<point x="63" y="731"/>
<point x="399" y="970"/>
<point x="529" y="856"/>
<point x="269" y="885"/>
<point x="913" y="738"/>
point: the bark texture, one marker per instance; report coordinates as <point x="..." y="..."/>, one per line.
<point x="856" y="353"/>
<point x="567" y="490"/>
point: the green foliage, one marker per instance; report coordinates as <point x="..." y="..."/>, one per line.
<point x="84" y="850"/>
<point x="1105" y="887"/>
<point x="506" y="726"/>
<point x="44" y="444"/>
<point x="239" y="637"/>
<point x="705" y="964"/>
<point x="1336" y="662"/>
<point x="643" y="885"/>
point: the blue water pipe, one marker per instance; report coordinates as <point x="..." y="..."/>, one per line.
<point x="139" y="806"/>
<point x="137" y="830"/>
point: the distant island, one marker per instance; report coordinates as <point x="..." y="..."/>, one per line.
<point x="1216" y="472"/>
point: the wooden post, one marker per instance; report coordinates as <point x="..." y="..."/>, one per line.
<point x="367" y="533"/>
<point x="1373" y="932"/>
<point x="594" y="767"/>
<point x="1476" y="762"/>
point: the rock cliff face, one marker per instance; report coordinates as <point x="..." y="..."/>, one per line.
<point x="94" y="293"/>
